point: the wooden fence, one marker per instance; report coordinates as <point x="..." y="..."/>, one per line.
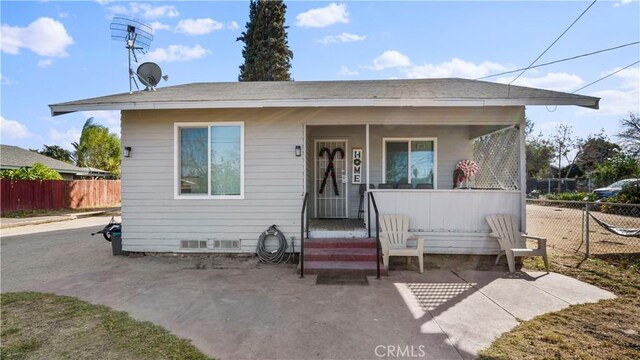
<point x="18" y="195"/>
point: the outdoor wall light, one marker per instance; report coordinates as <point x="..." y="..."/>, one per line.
<point x="298" y="150"/>
<point x="127" y="151"/>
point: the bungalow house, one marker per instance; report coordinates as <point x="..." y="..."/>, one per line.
<point x="14" y="157"/>
<point x="213" y="165"/>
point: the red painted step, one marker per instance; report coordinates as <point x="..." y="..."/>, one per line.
<point x="340" y="254"/>
<point x="367" y="268"/>
<point x="343" y="256"/>
<point x="335" y="243"/>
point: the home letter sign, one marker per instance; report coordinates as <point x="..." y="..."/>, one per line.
<point x="357" y="166"/>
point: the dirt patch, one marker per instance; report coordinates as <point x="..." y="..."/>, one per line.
<point x="46" y="326"/>
<point x="565" y="230"/>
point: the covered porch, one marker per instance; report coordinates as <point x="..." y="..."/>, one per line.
<point x="409" y="169"/>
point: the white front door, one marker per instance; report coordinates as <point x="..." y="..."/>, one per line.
<point x="331" y="179"/>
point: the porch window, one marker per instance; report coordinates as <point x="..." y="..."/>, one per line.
<point x="411" y="161"/>
<point x="209" y="160"/>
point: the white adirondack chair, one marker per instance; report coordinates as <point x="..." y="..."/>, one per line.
<point x="513" y="243"/>
<point x="394" y="233"/>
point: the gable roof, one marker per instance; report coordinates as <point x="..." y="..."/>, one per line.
<point x="14" y="157"/>
<point x="414" y="92"/>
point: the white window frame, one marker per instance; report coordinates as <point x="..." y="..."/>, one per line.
<point x="176" y="159"/>
<point x="409" y="140"/>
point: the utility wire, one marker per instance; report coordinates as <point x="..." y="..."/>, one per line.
<point x="604" y="77"/>
<point x="555" y="41"/>
<point x="561" y="60"/>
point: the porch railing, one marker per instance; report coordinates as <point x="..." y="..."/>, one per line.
<point x="302" y="230"/>
<point x="372" y="199"/>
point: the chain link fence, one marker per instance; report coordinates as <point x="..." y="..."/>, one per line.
<point x="590" y="228"/>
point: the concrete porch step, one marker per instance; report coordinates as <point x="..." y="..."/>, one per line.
<point x="340" y="243"/>
<point x="340" y="254"/>
<point x="367" y="268"/>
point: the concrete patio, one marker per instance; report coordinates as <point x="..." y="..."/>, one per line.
<point x="236" y="309"/>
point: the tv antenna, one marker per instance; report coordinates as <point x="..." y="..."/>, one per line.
<point x="137" y="37"/>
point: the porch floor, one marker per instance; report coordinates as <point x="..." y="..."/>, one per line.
<point x="336" y="224"/>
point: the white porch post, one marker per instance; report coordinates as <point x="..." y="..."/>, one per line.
<point x="523" y="176"/>
<point x="366" y="152"/>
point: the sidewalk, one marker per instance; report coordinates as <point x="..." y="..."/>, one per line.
<point x="6" y="223"/>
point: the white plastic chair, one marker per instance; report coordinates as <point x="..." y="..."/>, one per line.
<point x="513" y="243"/>
<point x="394" y="233"/>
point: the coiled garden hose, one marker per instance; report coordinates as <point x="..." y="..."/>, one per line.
<point x="275" y="256"/>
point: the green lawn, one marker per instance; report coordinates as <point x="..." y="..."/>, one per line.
<point x="609" y="329"/>
<point x="47" y="326"/>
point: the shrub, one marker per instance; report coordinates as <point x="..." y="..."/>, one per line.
<point x="630" y="194"/>
<point x="573" y="196"/>
<point x="36" y="172"/>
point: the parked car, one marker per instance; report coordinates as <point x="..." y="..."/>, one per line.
<point x="613" y="189"/>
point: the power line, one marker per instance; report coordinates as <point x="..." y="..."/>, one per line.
<point x="604" y="77"/>
<point x="555" y="41"/>
<point x="561" y="60"/>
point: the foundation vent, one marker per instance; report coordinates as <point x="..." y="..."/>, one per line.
<point x="193" y="244"/>
<point x="226" y="244"/>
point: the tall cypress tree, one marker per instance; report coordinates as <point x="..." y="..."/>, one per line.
<point x="266" y="49"/>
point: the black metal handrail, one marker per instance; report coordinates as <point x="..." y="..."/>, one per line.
<point x="302" y="228"/>
<point x="372" y="199"/>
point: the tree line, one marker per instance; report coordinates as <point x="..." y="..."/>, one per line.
<point x="595" y="156"/>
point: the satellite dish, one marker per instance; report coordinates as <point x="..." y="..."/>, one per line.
<point x="149" y="74"/>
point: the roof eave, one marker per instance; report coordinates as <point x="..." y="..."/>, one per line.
<point x="65" y="108"/>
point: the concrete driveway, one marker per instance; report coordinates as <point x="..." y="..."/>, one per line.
<point x="237" y="309"/>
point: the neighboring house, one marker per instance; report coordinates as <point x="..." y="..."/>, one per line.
<point x="220" y="162"/>
<point x="13" y="157"/>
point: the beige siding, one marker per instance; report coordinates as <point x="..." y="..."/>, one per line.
<point x="274" y="177"/>
<point x="155" y="221"/>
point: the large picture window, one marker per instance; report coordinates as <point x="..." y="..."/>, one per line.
<point x="410" y="161"/>
<point x="210" y="160"/>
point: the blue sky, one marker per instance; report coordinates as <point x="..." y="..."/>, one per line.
<point x="55" y="51"/>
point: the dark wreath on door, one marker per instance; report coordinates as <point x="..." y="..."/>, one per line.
<point x="331" y="189"/>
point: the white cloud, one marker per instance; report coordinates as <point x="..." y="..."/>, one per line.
<point x="5" y="80"/>
<point x="233" y="25"/>
<point x="342" y="38"/>
<point x="11" y="129"/>
<point x="63" y="14"/>
<point x="630" y="77"/>
<point x="144" y="10"/>
<point x="345" y="71"/>
<point x="177" y="53"/>
<point x="617" y="102"/>
<point x="323" y="17"/>
<point x="390" y="59"/>
<point x="157" y="26"/>
<point x="198" y="26"/>
<point x="44" y="63"/>
<point x="65" y="138"/>
<point x="625" y="98"/>
<point x="622" y="3"/>
<point x="550" y="81"/>
<point x="45" y="37"/>
<point x="455" y="68"/>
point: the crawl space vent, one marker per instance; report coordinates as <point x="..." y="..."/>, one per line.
<point x="226" y="244"/>
<point x="193" y="244"/>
